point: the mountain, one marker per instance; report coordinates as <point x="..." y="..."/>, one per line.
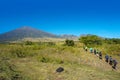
<point x="25" y="32"/>
<point x="68" y="36"/>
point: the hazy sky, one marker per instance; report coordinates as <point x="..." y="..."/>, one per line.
<point x="100" y="17"/>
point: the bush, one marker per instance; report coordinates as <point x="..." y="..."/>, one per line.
<point x="69" y="42"/>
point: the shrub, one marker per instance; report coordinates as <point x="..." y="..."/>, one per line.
<point x="69" y="42"/>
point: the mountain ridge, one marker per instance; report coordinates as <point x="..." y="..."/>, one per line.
<point x="24" y="32"/>
<point x="29" y="32"/>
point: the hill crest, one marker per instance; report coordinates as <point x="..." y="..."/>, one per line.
<point x="25" y="32"/>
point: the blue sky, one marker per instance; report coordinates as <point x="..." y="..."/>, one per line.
<point x="100" y="17"/>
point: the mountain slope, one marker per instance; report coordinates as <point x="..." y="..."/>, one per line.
<point x="25" y="32"/>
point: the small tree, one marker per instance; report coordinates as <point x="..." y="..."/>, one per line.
<point x="69" y="42"/>
<point x="91" y="40"/>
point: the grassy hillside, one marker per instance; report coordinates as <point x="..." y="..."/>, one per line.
<point x="39" y="61"/>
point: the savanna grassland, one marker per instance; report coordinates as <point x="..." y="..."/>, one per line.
<point x="39" y="61"/>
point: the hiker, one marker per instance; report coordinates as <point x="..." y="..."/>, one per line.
<point x="97" y="55"/>
<point x="100" y="55"/>
<point x="95" y="51"/>
<point x="91" y="50"/>
<point x="106" y="58"/>
<point x="110" y="60"/>
<point x="86" y="48"/>
<point x="114" y="64"/>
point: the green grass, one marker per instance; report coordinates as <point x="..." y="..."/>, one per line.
<point x="40" y="61"/>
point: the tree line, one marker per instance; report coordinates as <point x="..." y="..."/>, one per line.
<point x="96" y="40"/>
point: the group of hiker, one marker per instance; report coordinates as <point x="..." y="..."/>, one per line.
<point x="112" y="62"/>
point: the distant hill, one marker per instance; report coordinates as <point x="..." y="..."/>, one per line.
<point x="25" y="32"/>
<point x="68" y="36"/>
